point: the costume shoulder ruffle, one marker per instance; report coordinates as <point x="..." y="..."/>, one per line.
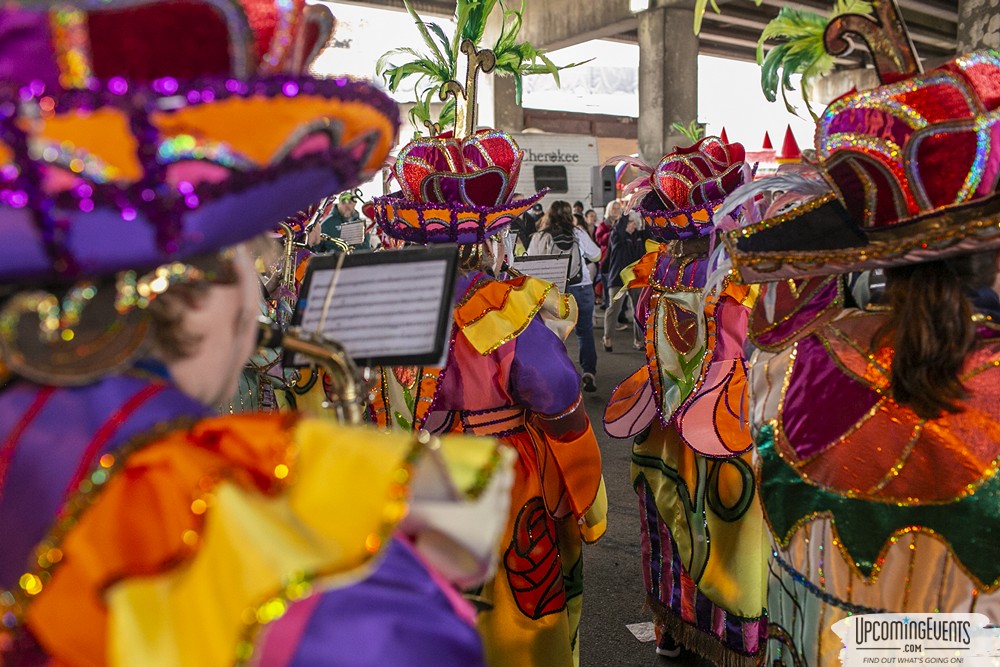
<point x="495" y="312"/>
<point x="243" y="505"/>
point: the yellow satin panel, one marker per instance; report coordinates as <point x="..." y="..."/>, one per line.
<point x="258" y="127"/>
<point x="726" y="559"/>
<point x="595" y="520"/>
<point x="252" y="545"/>
<point x="470" y="461"/>
<point x="493" y="326"/>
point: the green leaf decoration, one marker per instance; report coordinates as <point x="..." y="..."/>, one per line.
<point x="801" y="50"/>
<point x="403" y="422"/>
<point x="692" y="131"/>
<point x="408" y="398"/>
<point x="429" y="70"/>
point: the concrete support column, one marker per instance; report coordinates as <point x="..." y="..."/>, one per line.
<point x="668" y="79"/>
<point x="508" y="115"/>
<point x="978" y="25"/>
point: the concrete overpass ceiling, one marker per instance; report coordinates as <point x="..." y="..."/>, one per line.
<point x="423" y="7"/>
<point x="933" y="25"/>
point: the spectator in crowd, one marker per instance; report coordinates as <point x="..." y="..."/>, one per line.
<point x="560" y="236"/>
<point x="602" y="235"/>
<point x="581" y="222"/>
<point x="530" y="224"/>
<point x="627" y="245"/>
<point x="590" y="217"/>
<point x="578" y="207"/>
<point x="344" y="212"/>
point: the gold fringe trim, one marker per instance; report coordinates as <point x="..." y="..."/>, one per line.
<point x="704" y="644"/>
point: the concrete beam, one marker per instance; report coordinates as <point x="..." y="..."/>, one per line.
<point x="507" y="113"/>
<point x="555" y="24"/>
<point x="591" y="124"/>
<point x="828" y="88"/>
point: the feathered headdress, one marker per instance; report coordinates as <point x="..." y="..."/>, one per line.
<point x="439" y="64"/>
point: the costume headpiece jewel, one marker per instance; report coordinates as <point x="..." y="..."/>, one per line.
<point x="914" y="166"/>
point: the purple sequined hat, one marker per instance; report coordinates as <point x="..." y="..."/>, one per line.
<point x="138" y="132"/>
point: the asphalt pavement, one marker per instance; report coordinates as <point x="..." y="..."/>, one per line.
<point x="612" y="581"/>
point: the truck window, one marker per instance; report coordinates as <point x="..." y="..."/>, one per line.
<point x="551" y="176"/>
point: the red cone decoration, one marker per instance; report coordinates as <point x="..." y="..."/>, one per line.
<point x="789" y="148"/>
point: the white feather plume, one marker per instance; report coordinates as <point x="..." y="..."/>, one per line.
<point x="743" y="197"/>
<point x="805" y="184"/>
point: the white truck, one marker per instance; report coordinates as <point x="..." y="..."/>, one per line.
<point x="563" y="163"/>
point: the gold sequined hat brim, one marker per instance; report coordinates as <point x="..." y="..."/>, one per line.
<point x="819" y="238"/>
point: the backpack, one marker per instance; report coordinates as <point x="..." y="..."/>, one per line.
<point x="563" y="243"/>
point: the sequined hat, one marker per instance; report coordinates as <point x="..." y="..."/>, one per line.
<point x="134" y="133"/>
<point x="913" y="166"/>
<point x="454" y="190"/>
<point x="678" y="198"/>
<point x="455" y="186"/>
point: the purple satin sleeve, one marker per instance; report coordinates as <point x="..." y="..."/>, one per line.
<point x="25" y="52"/>
<point x="543" y="378"/>
<point x="395" y="616"/>
<point x="48" y="451"/>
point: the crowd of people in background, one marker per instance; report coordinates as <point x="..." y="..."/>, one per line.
<point x="601" y="248"/>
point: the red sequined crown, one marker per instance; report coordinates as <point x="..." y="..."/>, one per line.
<point x="145" y="41"/>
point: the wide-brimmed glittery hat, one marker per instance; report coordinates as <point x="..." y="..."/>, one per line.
<point x="454" y="190"/>
<point x="678" y="198"/>
<point x="913" y="168"/>
<point x="139" y="138"/>
<point x="134" y="133"/>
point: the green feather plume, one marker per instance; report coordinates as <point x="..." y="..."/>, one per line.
<point x="440" y="62"/>
<point x="801" y="50"/>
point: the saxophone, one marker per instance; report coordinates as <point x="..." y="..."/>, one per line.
<point x="344" y="398"/>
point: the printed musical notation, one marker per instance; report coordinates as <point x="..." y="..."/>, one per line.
<point x="550" y="268"/>
<point x="352" y="233"/>
<point x="388" y="308"/>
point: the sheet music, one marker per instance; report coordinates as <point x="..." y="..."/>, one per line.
<point x="380" y="310"/>
<point x="551" y="268"/>
<point x="352" y="233"/>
